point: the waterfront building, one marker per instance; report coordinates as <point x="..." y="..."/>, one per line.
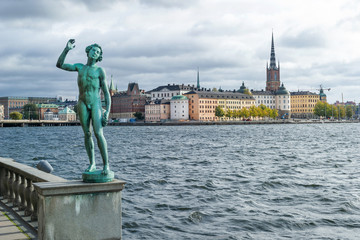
<point x="67" y="115"/>
<point x="13" y="104"/>
<point x="179" y="108"/>
<point x="1" y="112"/>
<point x="16" y="104"/>
<point x="169" y="91"/>
<point x="266" y="98"/>
<point x="272" y="71"/>
<point x="39" y="100"/>
<point x="303" y="104"/>
<point x="202" y="104"/>
<point x="42" y="108"/>
<point x="157" y="110"/>
<point x="49" y="115"/>
<point x="125" y="104"/>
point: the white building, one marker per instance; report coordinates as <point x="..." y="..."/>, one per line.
<point x="179" y="108"/>
<point x="1" y="112"/>
<point x="279" y="99"/>
<point x="48" y="115"/>
<point x="169" y="91"/>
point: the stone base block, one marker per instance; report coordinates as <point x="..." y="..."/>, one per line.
<point x="78" y="210"/>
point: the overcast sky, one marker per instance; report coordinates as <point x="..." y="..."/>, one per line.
<point x="156" y="42"/>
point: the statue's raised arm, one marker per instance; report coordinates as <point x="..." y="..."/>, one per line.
<point x="60" y="63"/>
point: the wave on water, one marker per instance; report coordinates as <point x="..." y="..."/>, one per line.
<point x="217" y="182"/>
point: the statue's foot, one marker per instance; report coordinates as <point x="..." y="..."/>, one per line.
<point x="91" y="168"/>
<point x="106" y="170"/>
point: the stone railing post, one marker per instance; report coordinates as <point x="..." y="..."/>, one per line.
<point x="34" y="202"/>
<point x="22" y="188"/>
<point x="28" y="191"/>
<point x="15" y="187"/>
<point x="78" y="210"/>
<point x="3" y="182"/>
<point x="10" y="187"/>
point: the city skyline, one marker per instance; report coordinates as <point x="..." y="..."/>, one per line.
<point x="156" y="43"/>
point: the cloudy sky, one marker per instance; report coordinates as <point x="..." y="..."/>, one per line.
<point x="156" y="42"/>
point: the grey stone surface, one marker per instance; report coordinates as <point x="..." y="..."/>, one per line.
<point x="8" y="230"/>
<point x="77" y="210"/>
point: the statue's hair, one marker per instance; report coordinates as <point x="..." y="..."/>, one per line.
<point x="88" y="48"/>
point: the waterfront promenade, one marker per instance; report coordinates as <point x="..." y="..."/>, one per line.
<point x="8" y="229"/>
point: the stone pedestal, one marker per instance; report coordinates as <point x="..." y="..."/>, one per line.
<point x="78" y="210"/>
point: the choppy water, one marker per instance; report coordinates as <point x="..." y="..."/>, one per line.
<point x="218" y="182"/>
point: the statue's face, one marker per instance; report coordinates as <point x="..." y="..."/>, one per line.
<point x="94" y="53"/>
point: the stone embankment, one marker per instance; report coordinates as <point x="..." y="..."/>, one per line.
<point x="196" y="123"/>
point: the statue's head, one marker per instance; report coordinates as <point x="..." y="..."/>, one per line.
<point x="88" y="49"/>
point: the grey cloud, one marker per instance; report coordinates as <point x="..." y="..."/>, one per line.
<point x="311" y="38"/>
<point x="13" y="9"/>
<point x="168" y="3"/>
<point x="96" y="5"/>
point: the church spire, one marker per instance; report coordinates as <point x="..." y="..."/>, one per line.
<point x="112" y="88"/>
<point x="272" y="54"/>
<point x="198" y="79"/>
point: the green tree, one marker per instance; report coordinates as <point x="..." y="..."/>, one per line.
<point x="16" y="116"/>
<point x="219" y="112"/>
<point x="138" y="116"/>
<point x="247" y="91"/>
<point x="228" y="113"/>
<point x="30" y="111"/>
<point x="263" y="111"/>
<point x="244" y="113"/>
<point x="273" y="113"/>
<point x="341" y="112"/>
<point x="334" y="111"/>
<point x="253" y="111"/>
<point x="349" y="111"/>
<point x="237" y="113"/>
<point x="319" y="109"/>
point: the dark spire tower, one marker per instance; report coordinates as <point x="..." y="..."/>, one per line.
<point x="198" y="79"/>
<point x="272" y="71"/>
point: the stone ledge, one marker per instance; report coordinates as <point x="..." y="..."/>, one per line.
<point x="29" y="172"/>
<point x="77" y="187"/>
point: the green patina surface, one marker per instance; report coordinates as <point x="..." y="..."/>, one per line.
<point x="91" y="79"/>
<point x="97" y="176"/>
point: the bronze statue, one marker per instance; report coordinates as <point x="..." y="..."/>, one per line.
<point x="91" y="78"/>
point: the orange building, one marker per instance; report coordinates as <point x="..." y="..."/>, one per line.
<point x="202" y="104"/>
<point x="44" y="107"/>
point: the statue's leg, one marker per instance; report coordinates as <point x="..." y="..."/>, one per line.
<point x="98" y="130"/>
<point x="84" y="116"/>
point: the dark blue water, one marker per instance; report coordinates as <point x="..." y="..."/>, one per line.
<point x="218" y="182"/>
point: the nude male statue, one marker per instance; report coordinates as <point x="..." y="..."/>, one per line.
<point x="91" y="79"/>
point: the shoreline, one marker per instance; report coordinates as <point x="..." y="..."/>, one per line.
<point x="38" y="123"/>
<point x="198" y="123"/>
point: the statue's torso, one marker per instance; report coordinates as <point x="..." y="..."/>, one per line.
<point x="89" y="84"/>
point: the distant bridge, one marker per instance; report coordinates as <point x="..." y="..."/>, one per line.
<point x="36" y="123"/>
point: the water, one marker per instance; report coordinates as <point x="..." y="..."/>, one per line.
<point x="218" y="182"/>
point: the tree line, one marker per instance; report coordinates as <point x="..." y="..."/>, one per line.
<point x="29" y="111"/>
<point x="253" y="112"/>
<point x="324" y="109"/>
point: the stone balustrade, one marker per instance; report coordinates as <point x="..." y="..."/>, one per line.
<point x="16" y="186"/>
<point x="54" y="208"/>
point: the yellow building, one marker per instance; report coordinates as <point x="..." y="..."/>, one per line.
<point x="202" y="104"/>
<point x="303" y="104"/>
